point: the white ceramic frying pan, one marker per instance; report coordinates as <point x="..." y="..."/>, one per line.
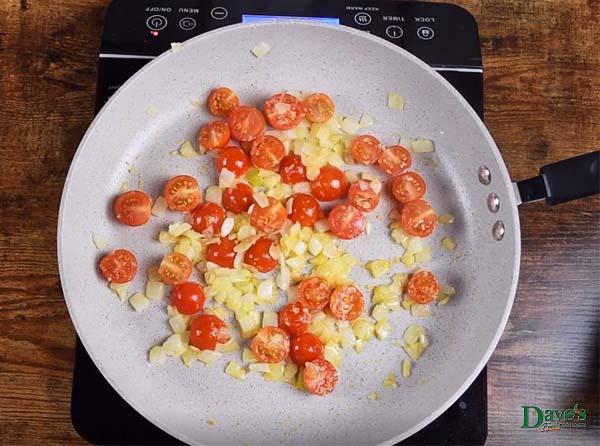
<point x="466" y="177"/>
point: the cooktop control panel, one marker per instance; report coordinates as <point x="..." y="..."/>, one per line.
<point x="443" y="35"/>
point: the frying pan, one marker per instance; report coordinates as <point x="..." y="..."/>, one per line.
<point x="466" y="176"/>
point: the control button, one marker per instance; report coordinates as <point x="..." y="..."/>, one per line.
<point x="187" y="23"/>
<point x="219" y="13"/>
<point x="394" y="32"/>
<point x="425" y="33"/>
<point x="362" y="18"/>
<point x="156" y="22"/>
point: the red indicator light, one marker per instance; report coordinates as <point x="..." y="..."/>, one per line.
<point x="154" y="33"/>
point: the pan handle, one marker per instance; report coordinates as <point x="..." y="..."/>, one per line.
<point x="564" y="180"/>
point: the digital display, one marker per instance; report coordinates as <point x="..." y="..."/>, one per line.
<point x="248" y="18"/>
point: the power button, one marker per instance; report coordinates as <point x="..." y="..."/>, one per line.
<point x="156" y="22"/>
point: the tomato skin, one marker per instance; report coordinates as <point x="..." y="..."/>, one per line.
<point x="365" y="149"/>
<point x="222" y="252"/>
<point x="319" y="107"/>
<point x="182" y="193"/>
<point x="266" y="152"/>
<point x="221" y="101"/>
<point x="238" y="198"/>
<point x="418" y="218"/>
<point x="207" y="330"/>
<point x="306" y="210"/>
<point x="287" y="119"/>
<point x="207" y="218"/>
<point x="408" y="187"/>
<point x="346" y="222"/>
<point x="214" y="135"/>
<point x="188" y="297"/>
<point x="175" y="268"/>
<point x="320" y="377"/>
<point x="270" y="218"/>
<point x="346" y="303"/>
<point x="133" y="208"/>
<point x="234" y="159"/>
<point x="294" y="319"/>
<point x="331" y="184"/>
<point x="306" y="347"/>
<point x="270" y="345"/>
<point x="364" y="195"/>
<point x="423" y="287"/>
<point x="291" y="169"/>
<point x="259" y="257"/>
<point x="246" y="123"/>
<point x="395" y="160"/>
<point x="314" y="293"/>
<point x="119" y="266"/>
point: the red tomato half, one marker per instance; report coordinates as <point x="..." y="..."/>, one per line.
<point x="222" y="100"/>
<point x="222" y="252"/>
<point x="207" y="218"/>
<point x="182" y="193"/>
<point x="175" y="268"/>
<point x="346" y="221"/>
<point x="207" y="330"/>
<point x="364" y="195"/>
<point x="292" y="170"/>
<point x="320" y="377"/>
<point x="266" y="152"/>
<point x="234" y="159"/>
<point x="188" y="297"/>
<point x="294" y="319"/>
<point x="346" y="303"/>
<point x="270" y="218"/>
<point x="314" y="293"/>
<point x="271" y="344"/>
<point x="306" y="347"/>
<point x="119" y="266"/>
<point x="306" y="210"/>
<point x="319" y="107"/>
<point x="246" y="123"/>
<point x="214" y="135"/>
<point x="423" y="287"/>
<point x="284" y="111"/>
<point x="408" y="187"/>
<point x="418" y="218"/>
<point x="395" y="160"/>
<point x="238" y="198"/>
<point x="331" y="184"/>
<point x="133" y="208"/>
<point x="259" y="257"/>
<point x="365" y="149"/>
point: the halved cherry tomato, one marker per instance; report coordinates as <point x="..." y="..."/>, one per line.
<point x="320" y="377"/>
<point x="222" y="100"/>
<point x="207" y="218"/>
<point x="418" y="218"/>
<point x="270" y="218"/>
<point x="133" y="208"/>
<point x="346" y="221"/>
<point x="208" y="330"/>
<point x="395" y="160"/>
<point x="222" y="252"/>
<point x="266" y="152"/>
<point x="234" y="159"/>
<point x="408" y="187"/>
<point x="188" y="297"/>
<point x="284" y="111"/>
<point x="119" y="266"/>
<point x="319" y="107"/>
<point x="314" y="293"/>
<point x="364" y="195"/>
<point x="246" y="123"/>
<point x="237" y="198"/>
<point x="270" y="345"/>
<point x="423" y="287"/>
<point x="259" y="257"/>
<point x="306" y="347"/>
<point x="175" y="268"/>
<point x="214" y="135"/>
<point x="306" y="210"/>
<point x="182" y="193"/>
<point x="365" y="149"/>
<point x="294" y="319"/>
<point x="330" y="184"/>
<point x="346" y="303"/>
<point x="291" y="169"/>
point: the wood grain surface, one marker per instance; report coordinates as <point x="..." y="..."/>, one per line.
<point x="542" y="97"/>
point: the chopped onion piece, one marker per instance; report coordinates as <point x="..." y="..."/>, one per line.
<point x="406" y="368"/>
<point x="176" y="229"/>
<point x="124" y="187"/>
<point x="152" y="111"/>
<point x="227" y="226"/>
<point x="229" y="346"/>
<point x="269" y="319"/>
<point x="420" y="310"/>
<point x="99" y="241"/>
<point x="301" y="188"/>
<point x="282" y="280"/>
<point x="174" y="345"/>
<point x="226" y="178"/>
<point x="350" y="125"/>
<point x="139" y="302"/>
<point x="160" y="207"/>
<point x="395" y="101"/>
<point x="259" y="367"/>
<point x="292" y="294"/>
<point x="422" y="146"/>
<point x="156" y="355"/>
<point x="373" y="396"/>
<point x="261" y="199"/>
<point x="249" y="324"/>
<point x="261" y="50"/>
<point x="186" y="150"/>
<point x="176" y="47"/>
<point x="178" y="323"/>
<point x="448" y="244"/>
<point x="382" y="329"/>
<point x="190" y="355"/>
<point x="365" y="121"/>
<point x="446" y="219"/>
<point x="380" y="312"/>
<point x="390" y="381"/>
<point x="208" y="357"/>
<point x="197" y="104"/>
<point x="333" y="354"/>
<point x="412" y="334"/>
<point x="154" y="290"/>
<point x="213" y="194"/>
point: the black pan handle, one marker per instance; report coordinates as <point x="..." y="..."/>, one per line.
<point x="564" y="180"/>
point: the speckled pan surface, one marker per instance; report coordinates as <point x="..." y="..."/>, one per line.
<point x="358" y="70"/>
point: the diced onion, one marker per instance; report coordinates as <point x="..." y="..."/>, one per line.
<point x="446" y="219"/>
<point x="261" y="199"/>
<point x="160" y="207"/>
<point x="390" y="381"/>
<point x="228" y="347"/>
<point x="178" y="323"/>
<point x="156" y="355"/>
<point x="176" y="229"/>
<point x="406" y="368"/>
<point x="176" y="47"/>
<point x="154" y="290"/>
<point x="269" y="319"/>
<point x="227" y="226"/>
<point x="380" y="312"/>
<point x="301" y="188"/>
<point x="213" y="194"/>
<point x="261" y="50"/>
<point x="448" y="244"/>
<point x="208" y="357"/>
<point x="378" y="268"/>
<point x="350" y="125"/>
<point x="226" y="178"/>
<point x="365" y="121"/>
<point x="373" y="396"/>
<point x="395" y="101"/>
<point x="186" y="150"/>
<point x="422" y="146"/>
<point x="247" y="355"/>
<point x="99" y="241"/>
<point x="333" y="354"/>
<point x="174" y="345"/>
<point x="259" y="367"/>
<point x="152" y="111"/>
<point x="139" y="302"/>
<point x="420" y="310"/>
<point x="382" y="329"/>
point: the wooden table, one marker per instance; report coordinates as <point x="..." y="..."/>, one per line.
<point x="542" y="93"/>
